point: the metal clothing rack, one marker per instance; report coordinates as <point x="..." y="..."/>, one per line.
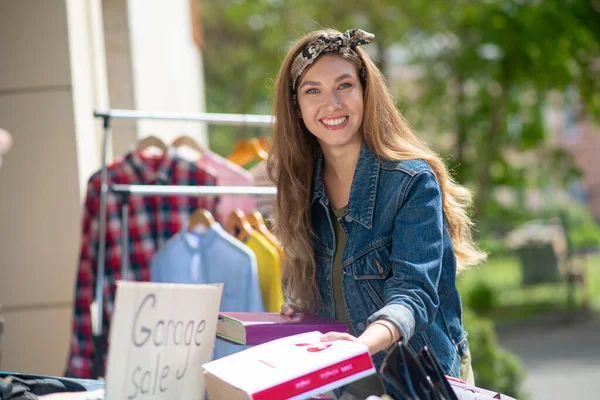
<point x="124" y="191"/>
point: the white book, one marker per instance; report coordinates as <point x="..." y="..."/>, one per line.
<point x="94" y="395"/>
<point x="294" y="367"/>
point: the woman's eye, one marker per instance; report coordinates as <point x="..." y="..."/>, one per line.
<point x="345" y="85"/>
<point x="312" y="91"/>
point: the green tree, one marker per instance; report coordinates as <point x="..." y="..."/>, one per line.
<point x="489" y="69"/>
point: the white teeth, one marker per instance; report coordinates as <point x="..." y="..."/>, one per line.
<point x="334" y="122"/>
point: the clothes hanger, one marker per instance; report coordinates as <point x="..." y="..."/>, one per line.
<point x="265" y="143"/>
<point x="185" y="140"/>
<point x="151" y="141"/>
<point x="258" y="151"/>
<point x="237" y="225"/>
<point x="257" y="222"/>
<point x="246" y="151"/>
<point x="200" y="216"/>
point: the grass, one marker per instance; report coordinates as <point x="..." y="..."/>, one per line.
<point x="511" y="302"/>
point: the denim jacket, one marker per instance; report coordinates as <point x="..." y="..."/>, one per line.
<point x="398" y="263"/>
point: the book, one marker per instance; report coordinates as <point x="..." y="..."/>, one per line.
<point x="459" y="387"/>
<point x="294" y="367"/>
<point x="94" y="395"/>
<point x="252" y="328"/>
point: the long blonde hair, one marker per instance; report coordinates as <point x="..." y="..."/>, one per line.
<point x="292" y="161"/>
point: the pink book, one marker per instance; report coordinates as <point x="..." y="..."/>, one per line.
<point x="253" y="328"/>
<point x="460" y="387"/>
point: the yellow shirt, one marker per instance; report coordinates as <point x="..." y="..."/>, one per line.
<point x="269" y="271"/>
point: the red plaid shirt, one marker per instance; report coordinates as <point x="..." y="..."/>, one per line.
<point x="152" y="221"/>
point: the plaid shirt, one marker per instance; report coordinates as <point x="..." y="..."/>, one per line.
<point x="152" y="221"/>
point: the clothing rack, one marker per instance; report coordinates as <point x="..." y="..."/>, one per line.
<point x="124" y="191"/>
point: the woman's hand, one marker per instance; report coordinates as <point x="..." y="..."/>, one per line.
<point x="331" y="336"/>
<point x="287" y="309"/>
<point x="377" y="337"/>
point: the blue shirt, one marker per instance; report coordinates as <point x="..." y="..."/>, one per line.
<point x="211" y="257"/>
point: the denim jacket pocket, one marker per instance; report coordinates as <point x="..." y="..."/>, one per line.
<point x="370" y="272"/>
<point x="374" y="264"/>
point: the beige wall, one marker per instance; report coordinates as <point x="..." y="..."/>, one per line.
<point x="119" y="72"/>
<point x="167" y="67"/>
<point x="89" y="83"/>
<point x="152" y="65"/>
<point x="50" y="83"/>
<point x="39" y="190"/>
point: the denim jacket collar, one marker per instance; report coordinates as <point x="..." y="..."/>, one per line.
<point x="363" y="192"/>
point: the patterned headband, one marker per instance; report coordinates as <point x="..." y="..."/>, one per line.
<point x="342" y="43"/>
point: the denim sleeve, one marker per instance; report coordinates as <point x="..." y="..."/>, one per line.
<point x="410" y="294"/>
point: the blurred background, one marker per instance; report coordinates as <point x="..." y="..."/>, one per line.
<point x="507" y="91"/>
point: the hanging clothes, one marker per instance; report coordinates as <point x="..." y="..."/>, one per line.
<point x="269" y="271"/>
<point x="264" y="204"/>
<point x="152" y="221"/>
<point x="229" y="174"/>
<point x="256" y="220"/>
<point x="213" y="256"/>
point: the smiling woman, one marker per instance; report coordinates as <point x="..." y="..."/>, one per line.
<point x="373" y="226"/>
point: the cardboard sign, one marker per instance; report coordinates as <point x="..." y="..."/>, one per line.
<point x="160" y="336"/>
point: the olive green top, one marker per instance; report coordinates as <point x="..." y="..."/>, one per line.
<point x="340" y="243"/>
<point x="369" y="385"/>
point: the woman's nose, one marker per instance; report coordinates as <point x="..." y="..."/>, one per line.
<point x="333" y="101"/>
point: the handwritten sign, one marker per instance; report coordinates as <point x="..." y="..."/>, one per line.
<point x="161" y="334"/>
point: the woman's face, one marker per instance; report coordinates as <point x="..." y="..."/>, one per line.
<point x="330" y="97"/>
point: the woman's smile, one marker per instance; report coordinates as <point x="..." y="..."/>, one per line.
<point x="335" y="124"/>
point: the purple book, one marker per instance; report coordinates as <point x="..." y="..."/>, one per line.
<point x="252" y="328"/>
